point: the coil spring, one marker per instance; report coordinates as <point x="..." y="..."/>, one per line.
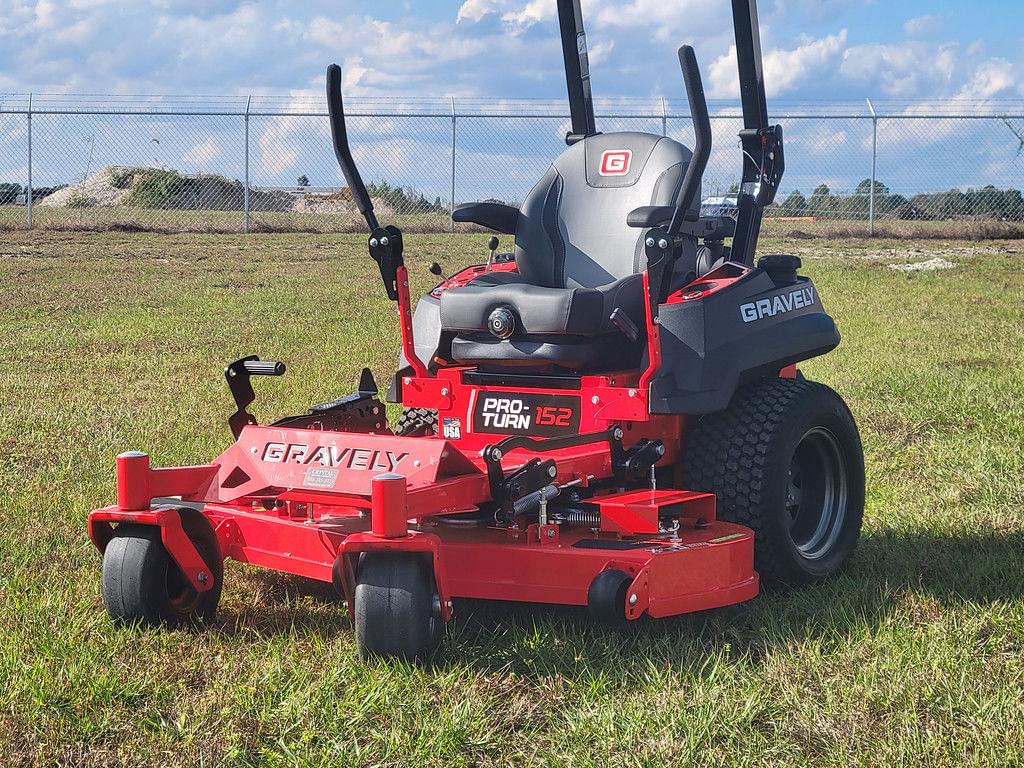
<point x="580" y="517"/>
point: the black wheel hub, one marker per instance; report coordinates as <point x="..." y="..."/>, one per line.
<point x="816" y="494"/>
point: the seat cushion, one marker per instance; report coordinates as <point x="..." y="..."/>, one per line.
<point x="579" y="354"/>
<point x="541" y="311"/>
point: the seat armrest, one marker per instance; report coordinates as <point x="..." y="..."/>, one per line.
<point x="497" y="217"/>
<point x="712" y="228"/>
<point x="650" y="216"/>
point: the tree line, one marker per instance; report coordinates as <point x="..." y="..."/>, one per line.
<point x="986" y="202"/>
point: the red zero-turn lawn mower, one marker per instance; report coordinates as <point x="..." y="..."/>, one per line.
<point x="610" y="416"/>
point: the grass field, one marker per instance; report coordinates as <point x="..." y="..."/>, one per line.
<point x="913" y="656"/>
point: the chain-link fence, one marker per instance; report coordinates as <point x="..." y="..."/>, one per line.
<point x="266" y="164"/>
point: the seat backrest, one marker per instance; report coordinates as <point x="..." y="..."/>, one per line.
<point x="572" y="229"/>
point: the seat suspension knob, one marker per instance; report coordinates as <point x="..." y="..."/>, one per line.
<point x="502" y="323"/>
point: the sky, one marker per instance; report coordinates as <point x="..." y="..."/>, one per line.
<point x="814" y="49"/>
<point x="894" y="51"/>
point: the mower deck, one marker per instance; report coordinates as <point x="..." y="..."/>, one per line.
<point x="259" y="501"/>
<point x="693" y="569"/>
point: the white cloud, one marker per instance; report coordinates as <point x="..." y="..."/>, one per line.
<point x="46" y="14"/>
<point x="475" y="10"/>
<point x="924" y="25"/>
<point x="203" y="154"/>
<point x="77" y="32"/>
<point x="916" y="69"/>
<point x="784" y="70"/>
<point x="276" y="145"/>
<point x="992" y="78"/>
<point x="651" y="14"/>
<point x="240" y="46"/>
<point x="600" y="52"/>
<point x="911" y="69"/>
<point x="533" y="12"/>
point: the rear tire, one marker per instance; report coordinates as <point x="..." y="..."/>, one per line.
<point x="397" y="614"/>
<point x="417" y="422"/>
<point x="784" y="459"/>
<point x="141" y="582"/>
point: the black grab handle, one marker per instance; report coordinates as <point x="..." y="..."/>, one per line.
<point x="702" y="144"/>
<point x="263" y="368"/>
<point x="237" y="375"/>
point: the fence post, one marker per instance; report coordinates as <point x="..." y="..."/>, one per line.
<point x="245" y="193"/>
<point x="452" y="211"/>
<point x="664" y="118"/>
<point x="874" y="167"/>
<point x="28" y="195"/>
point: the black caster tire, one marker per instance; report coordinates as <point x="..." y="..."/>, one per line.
<point x="396" y="612"/>
<point x="141" y="583"/>
<point x="784" y="459"/>
<point x="606" y="598"/>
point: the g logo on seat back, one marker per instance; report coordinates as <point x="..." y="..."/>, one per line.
<point x="616" y="162"/>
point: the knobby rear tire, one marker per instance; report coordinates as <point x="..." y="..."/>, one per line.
<point x="784" y="459"/>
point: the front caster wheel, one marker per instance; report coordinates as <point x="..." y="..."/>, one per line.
<point x="142" y="583"/>
<point x="606" y="598"/>
<point x="397" y="611"/>
<point x="784" y="459"/>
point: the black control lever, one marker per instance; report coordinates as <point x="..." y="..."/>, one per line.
<point x="702" y="144"/>
<point x="385" y="243"/>
<point x="339" y="135"/>
<point x="662" y="243"/>
<point x="238" y="377"/>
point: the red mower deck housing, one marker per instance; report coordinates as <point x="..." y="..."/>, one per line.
<point x="306" y="501"/>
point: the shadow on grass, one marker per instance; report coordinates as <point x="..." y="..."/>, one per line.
<point x="277" y="604"/>
<point x="537" y="640"/>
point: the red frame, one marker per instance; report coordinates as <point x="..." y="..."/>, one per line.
<point x="307" y="502"/>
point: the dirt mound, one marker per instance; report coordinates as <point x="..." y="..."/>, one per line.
<point x="159" y="188"/>
<point x="98" y="191"/>
<point x="336" y="202"/>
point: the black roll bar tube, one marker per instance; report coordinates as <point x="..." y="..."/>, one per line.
<point x="577" y="70"/>
<point x="763" y="153"/>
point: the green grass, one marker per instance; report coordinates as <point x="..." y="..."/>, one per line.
<point x="913" y="655"/>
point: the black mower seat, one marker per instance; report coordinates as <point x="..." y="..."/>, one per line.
<point x="578" y="259"/>
<point x="542" y="311"/>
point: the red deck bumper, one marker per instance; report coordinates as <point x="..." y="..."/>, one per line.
<point x="703" y="568"/>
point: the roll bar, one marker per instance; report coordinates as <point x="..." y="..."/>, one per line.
<point x="763" y="157"/>
<point x="577" y="70"/>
